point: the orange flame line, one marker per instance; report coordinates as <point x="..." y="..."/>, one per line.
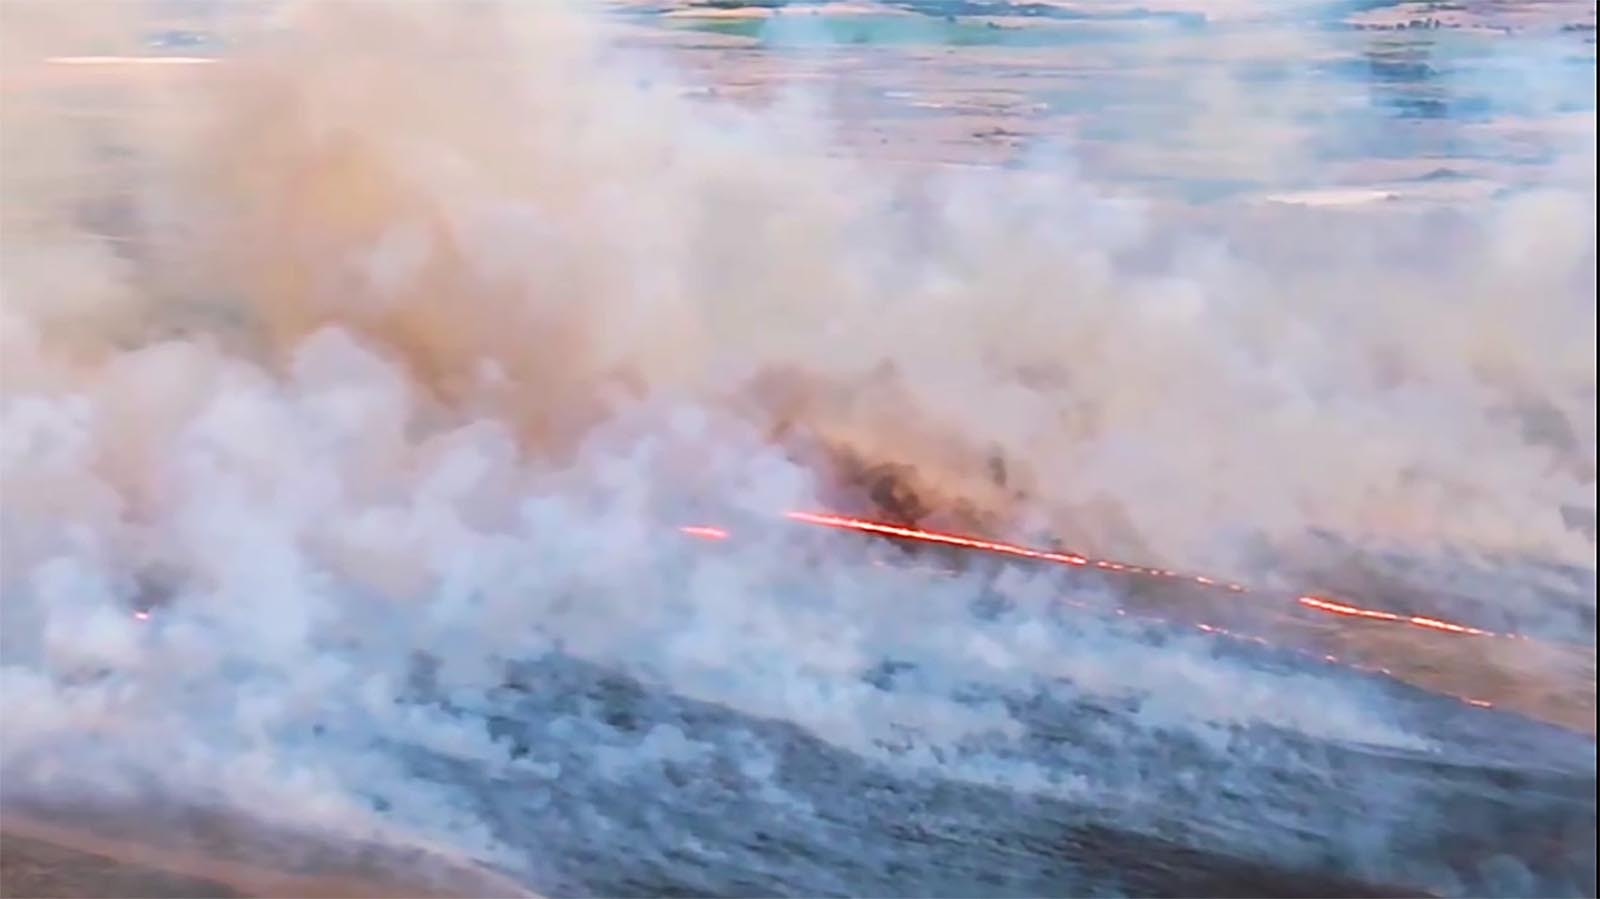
<point x="1434" y="624"/>
<point x="873" y="527"/>
<point x="890" y="530"/>
<point x="1322" y="605"/>
<point x="705" y="532"/>
<point x="1339" y="608"/>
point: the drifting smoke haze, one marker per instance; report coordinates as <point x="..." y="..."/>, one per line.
<point x="414" y="330"/>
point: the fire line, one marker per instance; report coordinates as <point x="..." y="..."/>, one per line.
<point x="1319" y="604"/>
<point x="864" y="526"/>
<point x="861" y="525"/>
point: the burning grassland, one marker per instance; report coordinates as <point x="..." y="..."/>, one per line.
<point x="356" y="386"/>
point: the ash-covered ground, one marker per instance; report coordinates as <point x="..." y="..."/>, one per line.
<point x="715" y="803"/>
<point x="607" y="781"/>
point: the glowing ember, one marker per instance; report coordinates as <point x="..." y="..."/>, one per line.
<point x="704" y="533"/>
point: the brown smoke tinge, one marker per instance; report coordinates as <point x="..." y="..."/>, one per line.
<point x="488" y="196"/>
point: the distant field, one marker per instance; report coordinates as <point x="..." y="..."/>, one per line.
<point x="1152" y="94"/>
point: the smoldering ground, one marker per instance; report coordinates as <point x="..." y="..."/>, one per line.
<point x="381" y="359"/>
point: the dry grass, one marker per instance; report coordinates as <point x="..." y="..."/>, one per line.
<point x="139" y="853"/>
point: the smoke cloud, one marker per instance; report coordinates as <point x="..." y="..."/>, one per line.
<point x="401" y="339"/>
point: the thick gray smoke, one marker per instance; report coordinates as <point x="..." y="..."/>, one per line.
<point x="418" y="328"/>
